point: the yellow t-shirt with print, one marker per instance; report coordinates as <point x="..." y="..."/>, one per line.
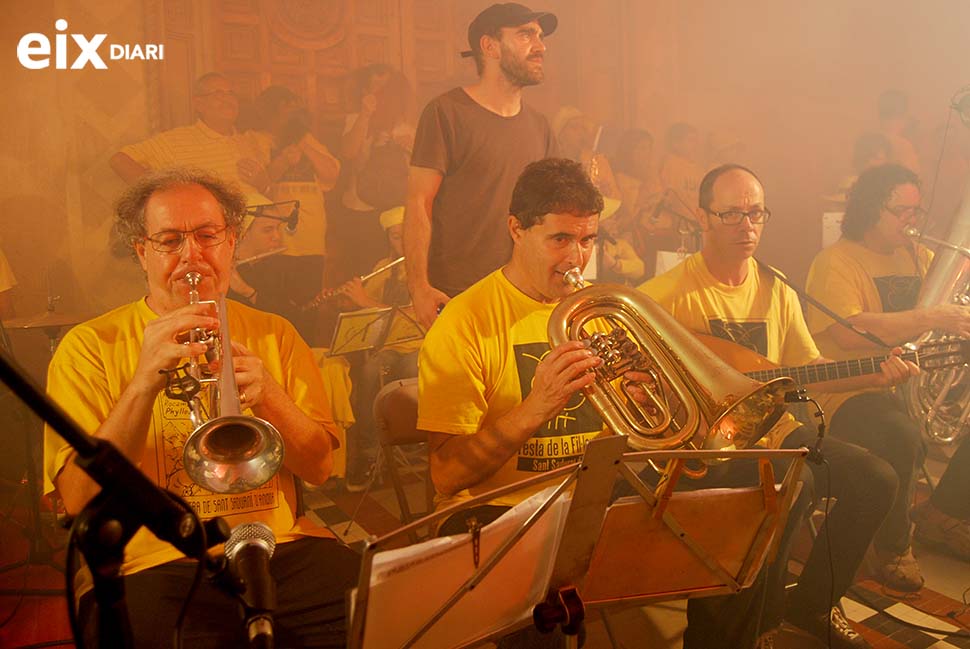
<point x="851" y="279"/>
<point x="477" y="363"/>
<point x="761" y="313"/>
<point x="310" y="235"/>
<point x="96" y="360"/>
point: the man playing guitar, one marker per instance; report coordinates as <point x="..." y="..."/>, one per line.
<point x="722" y="291"/>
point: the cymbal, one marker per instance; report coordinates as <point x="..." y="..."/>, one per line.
<point x="45" y="320"/>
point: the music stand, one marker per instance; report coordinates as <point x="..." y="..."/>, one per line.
<point x="372" y="329"/>
<point x="404" y="327"/>
<point x="598" y="549"/>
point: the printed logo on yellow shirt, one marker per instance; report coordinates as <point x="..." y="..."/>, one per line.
<point x="563" y="439"/>
<point x="170" y="423"/>
<point x="753" y="335"/>
<point x="897" y="292"/>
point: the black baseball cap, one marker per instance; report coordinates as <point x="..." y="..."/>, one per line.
<point x="506" y="14"/>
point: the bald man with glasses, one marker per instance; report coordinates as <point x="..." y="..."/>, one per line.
<point x="723" y="291"/>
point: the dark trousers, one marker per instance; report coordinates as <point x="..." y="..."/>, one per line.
<point x="312" y="576"/>
<point x="864" y="487"/>
<point x="952" y="495"/>
<point x="876" y="421"/>
<point x="365" y="375"/>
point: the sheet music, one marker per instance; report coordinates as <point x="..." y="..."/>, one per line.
<point x="359" y="330"/>
<point x="401" y="600"/>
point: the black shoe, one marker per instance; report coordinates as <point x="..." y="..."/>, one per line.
<point x="823" y="627"/>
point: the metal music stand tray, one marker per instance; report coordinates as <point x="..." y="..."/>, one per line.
<point x="437" y="593"/>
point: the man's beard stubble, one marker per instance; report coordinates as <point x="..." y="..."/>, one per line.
<point x="518" y="72"/>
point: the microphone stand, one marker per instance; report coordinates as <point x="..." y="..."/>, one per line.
<point x="128" y="500"/>
<point x="800" y="395"/>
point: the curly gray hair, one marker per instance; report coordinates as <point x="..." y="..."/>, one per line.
<point x="129" y="224"/>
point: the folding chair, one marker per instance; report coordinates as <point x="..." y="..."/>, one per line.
<point x="396" y="415"/>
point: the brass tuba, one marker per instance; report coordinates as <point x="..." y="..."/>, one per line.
<point x="940" y="400"/>
<point x="696" y="399"/>
<point x="228" y="452"/>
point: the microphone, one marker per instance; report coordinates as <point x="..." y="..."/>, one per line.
<point x="248" y="551"/>
<point x="293" y="218"/>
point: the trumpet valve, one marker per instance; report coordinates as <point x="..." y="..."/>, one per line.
<point x="619" y="353"/>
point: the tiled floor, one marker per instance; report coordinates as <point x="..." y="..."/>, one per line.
<point x="41" y="619"/>
<point x="940" y="605"/>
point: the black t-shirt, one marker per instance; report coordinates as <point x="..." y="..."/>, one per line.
<point x="285" y="285"/>
<point x="481" y="155"/>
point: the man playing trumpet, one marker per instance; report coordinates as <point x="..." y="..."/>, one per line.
<point x="110" y="373"/>
<point x="498" y="404"/>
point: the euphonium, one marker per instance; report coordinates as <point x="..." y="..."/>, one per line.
<point x="695" y="399"/>
<point x="229" y="452"/>
<point x="940" y="400"/>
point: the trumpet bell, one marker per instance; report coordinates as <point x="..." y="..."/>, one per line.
<point x="233" y="453"/>
<point x="745" y="419"/>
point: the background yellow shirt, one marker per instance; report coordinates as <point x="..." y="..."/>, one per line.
<point x="851" y="279"/>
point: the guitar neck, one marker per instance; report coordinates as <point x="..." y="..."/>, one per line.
<point x="831" y="371"/>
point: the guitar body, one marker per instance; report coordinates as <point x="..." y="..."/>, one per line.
<point x="737" y="356"/>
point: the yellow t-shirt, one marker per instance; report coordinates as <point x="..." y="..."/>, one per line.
<point x="95" y="362"/>
<point x="682" y="177"/>
<point x="762" y="314"/>
<point x="478" y="362"/>
<point x="851" y="279"/>
<point x="200" y="146"/>
<point x="7" y="279"/>
<point x="310" y="235"/>
<point x="629" y="265"/>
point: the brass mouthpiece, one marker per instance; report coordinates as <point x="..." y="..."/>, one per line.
<point x="574" y="277"/>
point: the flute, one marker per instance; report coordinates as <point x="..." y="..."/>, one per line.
<point x="380" y="270"/>
<point x="262" y="255"/>
<point x="326" y="294"/>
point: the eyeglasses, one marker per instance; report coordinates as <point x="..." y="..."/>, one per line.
<point x="905" y="211"/>
<point x="170" y="242"/>
<point x="734" y="217"/>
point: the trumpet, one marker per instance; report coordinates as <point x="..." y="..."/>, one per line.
<point x="226" y="452"/>
<point x="694" y="399"/>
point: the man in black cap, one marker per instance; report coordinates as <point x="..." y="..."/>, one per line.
<point x="471" y="145"/>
